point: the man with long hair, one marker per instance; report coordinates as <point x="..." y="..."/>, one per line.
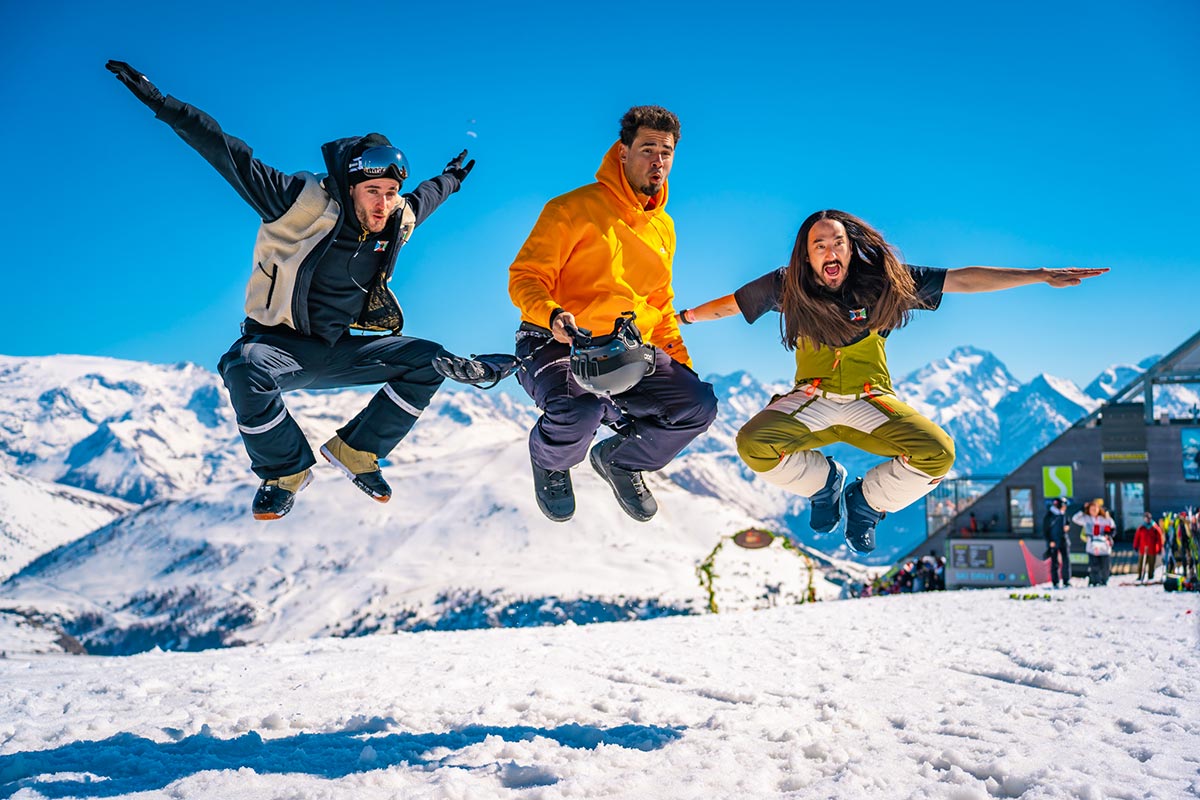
<point x="843" y="291"/>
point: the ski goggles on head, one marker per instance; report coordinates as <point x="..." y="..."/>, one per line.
<point x="379" y="162"/>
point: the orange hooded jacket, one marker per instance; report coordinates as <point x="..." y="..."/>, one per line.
<point x="596" y="252"/>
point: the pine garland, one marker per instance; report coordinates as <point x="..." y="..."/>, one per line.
<point x="707" y="574"/>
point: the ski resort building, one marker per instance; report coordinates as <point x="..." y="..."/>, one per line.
<point x="1136" y="458"/>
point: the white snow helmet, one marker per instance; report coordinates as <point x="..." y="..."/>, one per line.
<point x="612" y="364"/>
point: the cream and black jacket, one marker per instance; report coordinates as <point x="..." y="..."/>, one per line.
<point x="302" y="214"/>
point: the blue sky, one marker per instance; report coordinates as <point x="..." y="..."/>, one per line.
<point x="1017" y="134"/>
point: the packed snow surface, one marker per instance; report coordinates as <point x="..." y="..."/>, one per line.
<point x="1083" y="693"/>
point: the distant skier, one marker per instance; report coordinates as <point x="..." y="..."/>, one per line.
<point x="841" y="294"/>
<point x="1055" y="527"/>
<point x="324" y="255"/>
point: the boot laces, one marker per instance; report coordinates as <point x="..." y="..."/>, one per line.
<point x="639" y="483"/>
<point x="556" y="482"/>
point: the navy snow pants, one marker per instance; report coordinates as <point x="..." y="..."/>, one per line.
<point x="1060" y="560"/>
<point x="667" y="409"/>
<point x="266" y="362"/>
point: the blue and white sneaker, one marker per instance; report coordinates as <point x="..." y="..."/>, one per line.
<point x="860" y="520"/>
<point x="826" y="504"/>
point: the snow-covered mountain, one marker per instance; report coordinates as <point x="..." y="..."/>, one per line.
<point x="1176" y="400"/>
<point x="960" y="393"/>
<point x="127" y="429"/>
<point x="36" y="517"/>
<point x="1117" y="377"/>
<point x="461" y="544"/>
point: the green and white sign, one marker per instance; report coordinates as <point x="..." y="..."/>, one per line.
<point x="1057" y="482"/>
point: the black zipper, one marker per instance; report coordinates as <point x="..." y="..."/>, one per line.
<point x="274" y="273"/>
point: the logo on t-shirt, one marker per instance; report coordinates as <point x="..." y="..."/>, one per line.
<point x="380" y="247"/>
<point x="858" y="315"/>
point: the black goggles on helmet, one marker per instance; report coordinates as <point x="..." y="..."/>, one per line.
<point x="380" y="162"/>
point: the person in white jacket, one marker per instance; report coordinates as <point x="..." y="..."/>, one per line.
<point x="1097" y="526"/>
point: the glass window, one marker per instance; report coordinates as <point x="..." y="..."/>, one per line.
<point x="952" y="497"/>
<point x="1133" y="504"/>
<point x="1020" y="510"/>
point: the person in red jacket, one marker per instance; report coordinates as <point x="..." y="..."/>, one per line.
<point x="1148" y="541"/>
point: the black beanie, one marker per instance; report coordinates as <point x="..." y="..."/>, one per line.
<point x="361" y="146"/>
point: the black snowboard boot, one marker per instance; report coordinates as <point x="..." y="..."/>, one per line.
<point x="554" y="492"/>
<point x="629" y="486"/>
<point x="275" y="496"/>
<point x="860" y="520"/>
<point x="826" y="504"/>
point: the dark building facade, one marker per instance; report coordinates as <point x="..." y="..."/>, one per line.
<point x="1136" y="460"/>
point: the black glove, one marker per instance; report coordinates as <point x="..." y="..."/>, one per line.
<point x="458" y="169"/>
<point x="142" y="88"/>
<point x="487" y="369"/>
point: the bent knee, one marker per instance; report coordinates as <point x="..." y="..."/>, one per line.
<point x="247" y="366"/>
<point x="704" y="411"/>
<point x="936" y="458"/>
<point x="709" y="404"/>
<point x="758" y="453"/>
<point x="586" y="408"/>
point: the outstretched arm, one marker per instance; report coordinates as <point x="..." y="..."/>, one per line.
<point x="726" y="306"/>
<point x="269" y="191"/>
<point x="432" y="193"/>
<point x="752" y="300"/>
<point x="993" y="279"/>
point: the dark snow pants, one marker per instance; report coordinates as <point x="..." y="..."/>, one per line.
<point x="1060" y="560"/>
<point x="266" y="362"/>
<point x="667" y="410"/>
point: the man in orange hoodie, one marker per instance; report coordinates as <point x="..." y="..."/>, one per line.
<point x="594" y="253"/>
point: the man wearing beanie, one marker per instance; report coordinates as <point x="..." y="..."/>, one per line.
<point x="325" y="252"/>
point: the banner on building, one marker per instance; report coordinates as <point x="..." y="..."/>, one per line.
<point x="1191" y="453"/>
<point x="1057" y="482"/>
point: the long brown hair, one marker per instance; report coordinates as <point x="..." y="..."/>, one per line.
<point x="876" y="280"/>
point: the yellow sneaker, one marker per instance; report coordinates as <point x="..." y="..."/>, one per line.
<point x="359" y="466"/>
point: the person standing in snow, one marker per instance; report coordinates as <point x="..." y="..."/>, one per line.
<point x="844" y="290"/>
<point x="1097" y="533"/>
<point x="1148" y="541"/>
<point x="1055" y="527"/>
<point x="325" y="252"/>
<point x="594" y="253"/>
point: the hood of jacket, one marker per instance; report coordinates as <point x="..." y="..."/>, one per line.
<point x="612" y="176"/>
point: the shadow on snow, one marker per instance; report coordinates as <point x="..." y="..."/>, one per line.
<point x="127" y="763"/>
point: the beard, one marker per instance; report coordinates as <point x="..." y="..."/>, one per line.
<point x="364" y="219"/>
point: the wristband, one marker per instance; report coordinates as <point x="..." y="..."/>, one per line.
<point x="683" y="317"/>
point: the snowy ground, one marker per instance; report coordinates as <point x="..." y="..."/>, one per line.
<point x="1094" y="693"/>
